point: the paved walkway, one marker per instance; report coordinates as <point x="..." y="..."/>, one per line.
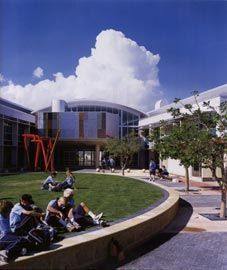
<point x="195" y="240"/>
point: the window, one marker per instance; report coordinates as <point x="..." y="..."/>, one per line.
<point x="8" y="133"/>
<point x="87" y="158"/>
<point x="196" y="170"/>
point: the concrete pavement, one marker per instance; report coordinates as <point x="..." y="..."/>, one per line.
<point x="195" y="240"/>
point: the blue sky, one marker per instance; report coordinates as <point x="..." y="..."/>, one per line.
<point x="189" y="36"/>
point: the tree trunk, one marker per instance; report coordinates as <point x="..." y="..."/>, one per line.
<point x="123" y="166"/>
<point x="123" y="169"/>
<point x="223" y="188"/>
<point x="186" y="178"/>
<point x="223" y="202"/>
<point x="224" y="173"/>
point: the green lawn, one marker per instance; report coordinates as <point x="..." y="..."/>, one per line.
<point x="116" y="196"/>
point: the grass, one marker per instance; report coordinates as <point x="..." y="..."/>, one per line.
<point x="116" y="196"/>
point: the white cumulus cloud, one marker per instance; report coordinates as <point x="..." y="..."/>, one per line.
<point x="38" y="72"/>
<point x="117" y="70"/>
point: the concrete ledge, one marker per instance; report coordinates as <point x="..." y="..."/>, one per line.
<point x="83" y="251"/>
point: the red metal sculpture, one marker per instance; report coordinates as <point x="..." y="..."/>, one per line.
<point x="44" y="144"/>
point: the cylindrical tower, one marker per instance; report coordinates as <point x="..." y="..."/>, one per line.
<point x="58" y="105"/>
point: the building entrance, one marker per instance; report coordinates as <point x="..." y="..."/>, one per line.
<point x="86" y="158"/>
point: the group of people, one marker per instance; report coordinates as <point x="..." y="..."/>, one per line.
<point x="155" y="171"/>
<point x="108" y="164"/>
<point x="51" y="184"/>
<point x="63" y="213"/>
<point x="16" y="221"/>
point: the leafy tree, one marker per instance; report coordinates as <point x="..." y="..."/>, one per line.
<point x="123" y="148"/>
<point x="198" y="137"/>
<point x="179" y="141"/>
<point x="215" y="149"/>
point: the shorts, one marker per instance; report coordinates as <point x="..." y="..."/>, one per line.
<point x="78" y="213"/>
<point x="152" y="172"/>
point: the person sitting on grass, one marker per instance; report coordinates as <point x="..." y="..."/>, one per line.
<point x="67" y="183"/>
<point x="49" y="181"/>
<point x="23" y="216"/>
<point x="80" y="215"/>
<point x="11" y="245"/>
<point x="55" y="215"/>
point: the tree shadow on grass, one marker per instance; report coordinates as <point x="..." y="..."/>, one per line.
<point x="6" y="198"/>
<point x="173" y="228"/>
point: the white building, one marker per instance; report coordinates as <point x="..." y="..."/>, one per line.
<point x="216" y="96"/>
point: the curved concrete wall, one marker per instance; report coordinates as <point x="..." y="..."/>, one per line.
<point x="83" y="251"/>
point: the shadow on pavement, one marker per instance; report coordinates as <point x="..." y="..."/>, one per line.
<point x="183" y="215"/>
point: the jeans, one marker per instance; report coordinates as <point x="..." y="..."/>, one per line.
<point x="13" y="244"/>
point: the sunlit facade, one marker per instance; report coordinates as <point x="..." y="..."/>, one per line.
<point x="84" y="126"/>
<point x="216" y="96"/>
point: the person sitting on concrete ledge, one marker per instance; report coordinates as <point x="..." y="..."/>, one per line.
<point x="56" y="217"/>
<point x="11" y="245"/>
<point x="80" y="215"/>
<point x="23" y="216"/>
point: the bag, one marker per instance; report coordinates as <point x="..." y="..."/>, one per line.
<point x="40" y="238"/>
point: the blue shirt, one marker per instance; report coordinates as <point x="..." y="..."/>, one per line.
<point x="4" y="226"/>
<point x="49" y="180"/>
<point x="69" y="180"/>
<point x="152" y="166"/>
<point x="54" y="204"/>
<point x="16" y="216"/>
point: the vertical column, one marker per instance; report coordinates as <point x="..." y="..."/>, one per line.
<point x="97" y="154"/>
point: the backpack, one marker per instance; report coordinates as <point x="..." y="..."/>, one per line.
<point x="40" y="237"/>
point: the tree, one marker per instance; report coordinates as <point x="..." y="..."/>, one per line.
<point x="178" y="141"/>
<point x="200" y="137"/>
<point x="215" y="149"/>
<point x="123" y="148"/>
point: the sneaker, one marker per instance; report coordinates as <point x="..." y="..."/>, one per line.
<point x="99" y="216"/>
<point x="73" y="227"/>
<point x="4" y="256"/>
<point x="96" y="220"/>
<point x="69" y="227"/>
<point x="76" y="225"/>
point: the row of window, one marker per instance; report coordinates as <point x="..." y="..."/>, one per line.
<point x="128" y="118"/>
<point x="10" y="132"/>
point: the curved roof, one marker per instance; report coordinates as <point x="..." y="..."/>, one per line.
<point x="84" y="102"/>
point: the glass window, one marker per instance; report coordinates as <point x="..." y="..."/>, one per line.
<point x="80" y="108"/>
<point x="86" y="158"/>
<point x="196" y="170"/>
<point x="125" y="118"/>
<point x="8" y="133"/>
